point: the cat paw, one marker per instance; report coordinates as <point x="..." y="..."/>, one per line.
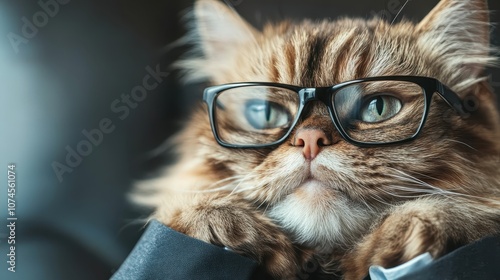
<point x="399" y="238"/>
<point x="233" y="223"/>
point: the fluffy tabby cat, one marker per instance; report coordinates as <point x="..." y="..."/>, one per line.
<point x="316" y="195"/>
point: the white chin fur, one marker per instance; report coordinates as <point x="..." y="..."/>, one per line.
<point x="320" y="217"/>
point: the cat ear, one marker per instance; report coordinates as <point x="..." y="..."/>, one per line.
<point x="220" y="29"/>
<point x="217" y="33"/>
<point x="456" y="32"/>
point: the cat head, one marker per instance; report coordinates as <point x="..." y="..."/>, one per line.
<point x="333" y="196"/>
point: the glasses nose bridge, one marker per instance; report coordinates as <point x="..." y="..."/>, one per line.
<point x="312" y="94"/>
<point x="308" y="95"/>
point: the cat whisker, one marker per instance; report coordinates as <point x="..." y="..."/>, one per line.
<point x="460" y="142"/>
<point x="423" y="189"/>
<point x="455" y="196"/>
<point x="405" y="177"/>
<point x="418" y="183"/>
<point x="214" y="187"/>
<point x="246" y="178"/>
<point x="410" y="192"/>
<point x="399" y="12"/>
<point x="376" y="197"/>
<point x="143" y="222"/>
<point x="239" y="189"/>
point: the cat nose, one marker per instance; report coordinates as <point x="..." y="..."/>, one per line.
<point x="311" y="140"/>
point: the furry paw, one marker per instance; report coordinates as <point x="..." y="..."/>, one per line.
<point x="398" y="239"/>
<point x="231" y="222"/>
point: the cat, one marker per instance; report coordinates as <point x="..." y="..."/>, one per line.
<point x="316" y="194"/>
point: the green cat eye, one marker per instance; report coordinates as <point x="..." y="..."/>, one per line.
<point x="380" y="108"/>
<point x="366" y="112"/>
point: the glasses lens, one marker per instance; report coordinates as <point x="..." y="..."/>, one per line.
<point x="254" y="115"/>
<point x="380" y="111"/>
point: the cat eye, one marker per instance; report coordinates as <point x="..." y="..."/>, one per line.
<point x="380" y="108"/>
<point x="366" y="112"/>
<point x="264" y="114"/>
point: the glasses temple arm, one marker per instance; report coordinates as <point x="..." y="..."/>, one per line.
<point x="452" y="99"/>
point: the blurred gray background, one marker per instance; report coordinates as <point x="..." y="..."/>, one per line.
<point x="69" y="76"/>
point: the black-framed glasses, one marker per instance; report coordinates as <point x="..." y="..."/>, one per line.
<point x="366" y="112"/>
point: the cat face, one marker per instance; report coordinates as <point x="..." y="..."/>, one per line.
<point x="333" y="196"/>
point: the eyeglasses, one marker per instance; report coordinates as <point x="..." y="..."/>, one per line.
<point x="366" y="112"/>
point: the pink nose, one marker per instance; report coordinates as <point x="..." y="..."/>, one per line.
<point x="312" y="140"/>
